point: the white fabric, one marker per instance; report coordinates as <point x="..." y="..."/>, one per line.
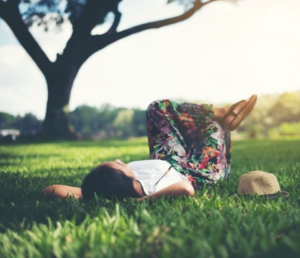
<point x="148" y="172"/>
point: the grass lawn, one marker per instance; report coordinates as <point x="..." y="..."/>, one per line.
<point x="216" y="223"/>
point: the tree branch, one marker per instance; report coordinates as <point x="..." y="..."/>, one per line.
<point x="99" y="42"/>
<point x="116" y="22"/>
<point x="92" y="13"/>
<point x="11" y="15"/>
<point x="161" y="23"/>
<point x="2" y="6"/>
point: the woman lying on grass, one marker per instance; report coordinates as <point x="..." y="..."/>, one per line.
<point x="189" y="146"/>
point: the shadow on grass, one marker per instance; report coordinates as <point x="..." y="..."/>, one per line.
<point x="29" y="156"/>
<point x="23" y="202"/>
<point x="20" y="155"/>
<point x="7" y="159"/>
<point x="85" y="143"/>
<point x="108" y="143"/>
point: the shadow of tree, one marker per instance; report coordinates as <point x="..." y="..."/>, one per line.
<point x="22" y="202"/>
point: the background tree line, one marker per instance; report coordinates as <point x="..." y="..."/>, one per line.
<point x="274" y="115"/>
<point x="90" y="122"/>
<point x="108" y="121"/>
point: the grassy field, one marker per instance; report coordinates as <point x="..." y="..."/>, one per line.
<point x="216" y="223"/>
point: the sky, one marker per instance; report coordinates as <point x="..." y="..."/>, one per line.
<point x="224" y="53"/>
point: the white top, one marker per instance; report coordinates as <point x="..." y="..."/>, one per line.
<point x="148" y="172"/>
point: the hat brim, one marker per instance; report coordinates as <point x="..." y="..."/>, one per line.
<point x="280" y="193"/>
<point x="283" y="193"/>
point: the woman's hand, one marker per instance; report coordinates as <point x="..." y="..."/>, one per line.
<point x="181" y="188"/>
<point x="62" y="191"/>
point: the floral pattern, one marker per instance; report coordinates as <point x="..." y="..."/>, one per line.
<point x="187" y="137"/>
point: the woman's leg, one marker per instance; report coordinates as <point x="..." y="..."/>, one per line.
<point x="187" y="137"/>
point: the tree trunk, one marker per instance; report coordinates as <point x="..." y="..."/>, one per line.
<point x="57" y="124"/>
<point x="60" y="75"/>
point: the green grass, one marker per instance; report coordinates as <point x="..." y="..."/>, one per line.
<point x="216" y="223"/>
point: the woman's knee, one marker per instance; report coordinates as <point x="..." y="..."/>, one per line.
<point x="156" y="104"/>
<point x="151" y="106"/>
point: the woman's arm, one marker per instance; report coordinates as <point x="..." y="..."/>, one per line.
<point x="63" y="191"/>
<point x="181" y="188"/>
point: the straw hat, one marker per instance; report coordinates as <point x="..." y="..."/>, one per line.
<point x="260" y="183"/>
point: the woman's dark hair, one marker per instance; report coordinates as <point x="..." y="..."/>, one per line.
<point x="109" y="183"/>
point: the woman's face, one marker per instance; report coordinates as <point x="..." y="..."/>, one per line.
<point x="120" y="165"/>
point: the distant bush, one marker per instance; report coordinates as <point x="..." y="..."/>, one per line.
<point x="273" y="115"/>
<point x="91" y="122"/>
<point x="6" y="121"/>
<point x="28" y="124"/>
<point x="285" y="129"/>
<point x="108" y="121"/>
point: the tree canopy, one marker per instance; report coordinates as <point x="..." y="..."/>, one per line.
<point x="84" y="16"/>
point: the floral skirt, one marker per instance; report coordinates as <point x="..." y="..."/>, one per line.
<point x="186" y="136"/>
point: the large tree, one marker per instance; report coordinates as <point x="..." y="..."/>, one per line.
<point x="84" y="15"/>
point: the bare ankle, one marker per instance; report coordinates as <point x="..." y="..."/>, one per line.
<point x="219" y="113"/>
